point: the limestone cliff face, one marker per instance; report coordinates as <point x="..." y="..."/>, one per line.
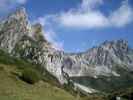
<point x="101" y="60"/>
<point x="12" y="29"/>
<point x="21" y="39"/>
<point x="40" y="52"/>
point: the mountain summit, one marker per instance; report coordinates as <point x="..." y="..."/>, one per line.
<point x="12" y="29"/>
<point x="21" y="39"/>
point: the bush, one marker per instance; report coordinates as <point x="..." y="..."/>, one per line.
<point x="30" y="75"/>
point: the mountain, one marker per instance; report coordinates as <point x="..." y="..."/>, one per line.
<point x="104" y="65"/>
<point x="100" y="60"/>
<point x="12" y="30"/>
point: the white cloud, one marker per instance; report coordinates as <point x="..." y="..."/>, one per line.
<point x="41" y="20"/>
<point x="7" y="5"/>
<point x="122" y="16"/>
<point x="90" y="4"/>
<point x="85" y="20"/>
<point x="87" y="16"/>
<point x="51" y="36"/>
<point x="58" y="45"/>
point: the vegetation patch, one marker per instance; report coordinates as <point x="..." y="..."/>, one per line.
<point x="30" y="76"/>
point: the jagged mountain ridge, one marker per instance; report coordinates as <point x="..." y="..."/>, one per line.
<point x="21" y="39"/>
<point x="10" y="27"/>
<point x="100" y="60"/>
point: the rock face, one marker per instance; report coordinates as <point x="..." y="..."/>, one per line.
<point x="21" y="39"/>
<point x="12" y="29"/>
<point x="100" y="60"/>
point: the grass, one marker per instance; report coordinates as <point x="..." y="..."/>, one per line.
<point x="12" y="88"/>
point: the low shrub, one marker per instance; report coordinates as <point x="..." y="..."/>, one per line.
<point x="30" y="75"/>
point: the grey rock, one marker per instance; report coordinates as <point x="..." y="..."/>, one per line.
<point x="12" y="29"/>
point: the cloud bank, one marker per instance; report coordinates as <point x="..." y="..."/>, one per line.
<point x="51" y="37"/>
<point x="87" y="16"/>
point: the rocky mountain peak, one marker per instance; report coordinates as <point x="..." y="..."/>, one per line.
<point x="121" y="45"/>
<point x="12" y="29"/>
<point x="19" y="14"/>
<point x="38" y="33"/>
<point x="109" y="52"/>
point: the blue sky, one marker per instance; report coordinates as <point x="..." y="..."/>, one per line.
<point x="77" y="25"/>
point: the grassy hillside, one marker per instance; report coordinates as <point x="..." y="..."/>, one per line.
<point x="13" y="88"/>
